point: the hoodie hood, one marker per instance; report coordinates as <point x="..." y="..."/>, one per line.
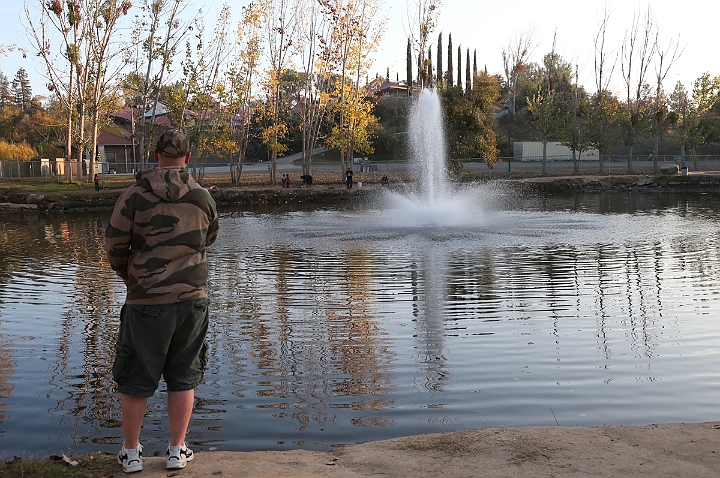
<point x="169" y="184"/>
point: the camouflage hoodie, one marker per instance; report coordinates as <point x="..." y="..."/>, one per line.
<point x="157" y="237"/>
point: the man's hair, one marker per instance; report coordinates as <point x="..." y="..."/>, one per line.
<point x="173" y="144"/>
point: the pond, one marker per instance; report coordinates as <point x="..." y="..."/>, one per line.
<point x="341" y="325"/>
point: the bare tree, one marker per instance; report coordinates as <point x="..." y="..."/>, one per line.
<point x="665" y="59"/>
<point x="280" y="30"/>
<point x="317" y="56"/>
<point x="60" y="70"/>
<point x="241" y="82"/>
<point x="158" y="33"/>
<point x="422" y="16"/>
<point x="104" y="68"/>
<point x="637" y="53"/>
<point x="604" y="66"/>
<point x="210" y="132"/>
<point x="79" y="75"/>
<point x="515" y="57"/>
<point x="5" y="49"/>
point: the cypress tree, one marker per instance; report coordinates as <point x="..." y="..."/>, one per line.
<point x="459" y="72"/>
<point x="439" y="62"/>
<point x="467" y="72"/>
<point x="429" y="78"/>
<point x="408" y="66"/>
<point x="421" y="71"/>
<point x="449" y="73"/>
<point x="474" y="63"/>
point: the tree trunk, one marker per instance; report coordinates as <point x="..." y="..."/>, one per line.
<point x="656" y="153"/>
<point x="576" y="162"/>
<point x="682" y="154"/>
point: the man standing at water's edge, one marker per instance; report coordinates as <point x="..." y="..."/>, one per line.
<point x="156" y="243"/>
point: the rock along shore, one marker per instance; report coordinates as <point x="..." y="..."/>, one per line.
<point x="85" y="199"/>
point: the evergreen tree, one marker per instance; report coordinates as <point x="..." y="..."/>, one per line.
<point x="449" y="73"/>
<point x="474" y="63"/>
<point x="429" y="78"/>
<point x="439" y="62"/>
<point x="459" y="69"/>
<point x="5" y="95"/>
<point x="21" y="91"/>
<point x="470" y="122"/>
<point x="408" y="67"/>
<point x="467" y="72"/>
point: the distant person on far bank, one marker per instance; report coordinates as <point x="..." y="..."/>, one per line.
<point x="96" y="180"/>
<point x="156" y="243"/>
<point x="349" y="178"/>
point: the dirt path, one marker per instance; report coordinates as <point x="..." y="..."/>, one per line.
<point x="675" y="450"/>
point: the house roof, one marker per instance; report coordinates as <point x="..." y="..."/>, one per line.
<point x="125" y="113"/>
<point x="161" y="117"/>
<point x="381" y="86"/>
<point x="161" y="109"/>
<point x="107" y="139"/>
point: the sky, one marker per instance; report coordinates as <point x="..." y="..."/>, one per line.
<point x="486" y="27"/>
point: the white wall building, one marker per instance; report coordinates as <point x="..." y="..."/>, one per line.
<point x="533" y="151"/>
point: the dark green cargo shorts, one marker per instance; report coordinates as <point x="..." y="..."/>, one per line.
<point x="161" y="340"/>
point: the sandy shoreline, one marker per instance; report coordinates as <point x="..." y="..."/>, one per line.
<point x="671" y="450"/>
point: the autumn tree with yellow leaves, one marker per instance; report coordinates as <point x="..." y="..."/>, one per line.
<point x="356" y="33"/>
<point x="280" y="30"/>
<point x="237" y="92"/>
<point x="317" y="76"/>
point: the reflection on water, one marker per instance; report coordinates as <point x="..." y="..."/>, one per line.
<point x="338" y="326"/>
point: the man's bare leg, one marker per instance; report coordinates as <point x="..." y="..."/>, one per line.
<point x="133" y="412"/>
<point x="180" y="406"/>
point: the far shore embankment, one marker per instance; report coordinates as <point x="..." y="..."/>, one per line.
<point x="38" y="197"/>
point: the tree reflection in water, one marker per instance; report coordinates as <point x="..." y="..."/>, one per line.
<point x="333" y="327"/>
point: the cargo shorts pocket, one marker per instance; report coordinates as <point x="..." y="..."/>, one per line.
<point x="121" y="366"/>
<point x="147" y="310"/>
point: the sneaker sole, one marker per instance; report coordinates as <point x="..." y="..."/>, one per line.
<point x="132" y="468"/>
<point x="178" y="465"/>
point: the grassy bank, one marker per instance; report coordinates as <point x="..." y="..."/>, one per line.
<point x="94" y="465"/>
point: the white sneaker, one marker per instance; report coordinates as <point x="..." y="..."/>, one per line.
<point x="177" y="457"/>
<point x="131" y="460"/>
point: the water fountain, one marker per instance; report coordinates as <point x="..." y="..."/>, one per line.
<point x="432" y="202"/>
